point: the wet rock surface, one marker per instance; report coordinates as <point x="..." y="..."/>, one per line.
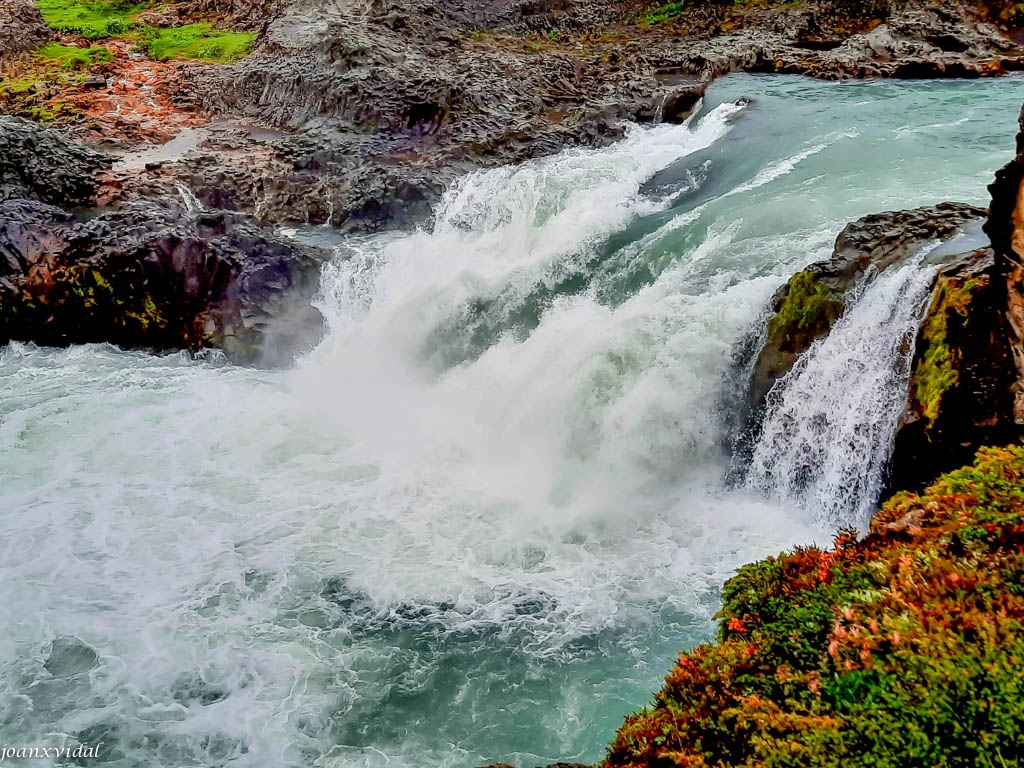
<point x="156" y="278"/>
<point x="965" y="389"/>
<point x="21" y="26"/>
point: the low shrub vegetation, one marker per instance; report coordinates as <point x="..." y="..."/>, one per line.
<point x="92" y="19"/>
<point x="904" y="648"/>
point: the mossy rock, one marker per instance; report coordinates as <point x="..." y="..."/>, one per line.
<point x="964" y="381"/>
<point x="937" y="369"/>
<point x="808" y="306"/>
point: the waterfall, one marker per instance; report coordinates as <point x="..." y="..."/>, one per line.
<point x="829" y="424"/>
<point x="188" y="198"/>
<point x="475" y="524"/>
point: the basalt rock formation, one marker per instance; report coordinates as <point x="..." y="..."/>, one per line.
<point x="21" y="26"/>
<point x="156" y="278"/>
<point x="42" y="164"/>
<point x="376" y="107"/>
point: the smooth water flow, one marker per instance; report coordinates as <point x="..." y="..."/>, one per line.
<point x="477" y="521"/>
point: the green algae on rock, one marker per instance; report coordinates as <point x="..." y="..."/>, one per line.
<point x="903" y="648"/>
<point x="937" y="369"/>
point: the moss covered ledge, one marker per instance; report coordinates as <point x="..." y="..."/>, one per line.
<point x="901" y="649"/>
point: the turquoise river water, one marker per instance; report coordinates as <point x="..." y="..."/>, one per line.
<point x="475" y="524"/>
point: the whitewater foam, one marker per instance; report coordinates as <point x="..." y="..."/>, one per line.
<point x="829" y="423"/>
<point x="472" y="526"/>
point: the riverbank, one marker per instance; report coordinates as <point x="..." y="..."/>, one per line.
<point x="900" y="648"/>
<point x="361" y="115"/>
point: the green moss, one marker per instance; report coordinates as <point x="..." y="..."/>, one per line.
<point x="808" y="309"/>
<point x="937" y="369"/>
<point x="196" y="41"/>
<point x="97" y="19"/>
<point x="903" y="648"/>
<point x="663" y="13"/>
<point x="92" y="19"/>
<point x="72" y="56"/>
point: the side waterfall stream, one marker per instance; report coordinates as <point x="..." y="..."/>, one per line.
<point x="477" y="521"/>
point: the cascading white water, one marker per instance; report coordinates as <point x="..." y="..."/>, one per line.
<point x="188" y="198"/>
<point x="475" y="524"/>
<point x="829" y="424"/>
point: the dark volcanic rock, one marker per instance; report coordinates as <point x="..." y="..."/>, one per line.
<point x="839" y="40"/>
<point x="237" y="14"/>
<point x="379" y="105"/>
<point x="155" y="278"/>
<point x="1005" y="225"/>
<point x="965" y="389"/>
<point x="41" y="164"/>
<point x="401" y="96"/>
<point x="22" y="27"/>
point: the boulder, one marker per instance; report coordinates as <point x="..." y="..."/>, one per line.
<point x="22" y="27"/>
<point x="156" y="278"/>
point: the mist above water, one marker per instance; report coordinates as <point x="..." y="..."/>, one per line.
<point x="477" y="521"/>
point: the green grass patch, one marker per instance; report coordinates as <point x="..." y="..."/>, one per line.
<point x="663" y="13"/>
<point x="196" y="41"/>
<point x="72" y="56"/>
<point x="93" y="19"/>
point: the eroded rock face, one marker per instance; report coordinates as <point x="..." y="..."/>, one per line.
<point x="37" y="163"/>
<point x="157" y="278"/>
<point x="237" y="14"/>
<point x="22" y="27"/>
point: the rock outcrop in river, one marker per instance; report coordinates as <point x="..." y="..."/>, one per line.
<point x="151" y="275"/>
<point x="156" y="278"/>
<point x="966" y="388"/>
